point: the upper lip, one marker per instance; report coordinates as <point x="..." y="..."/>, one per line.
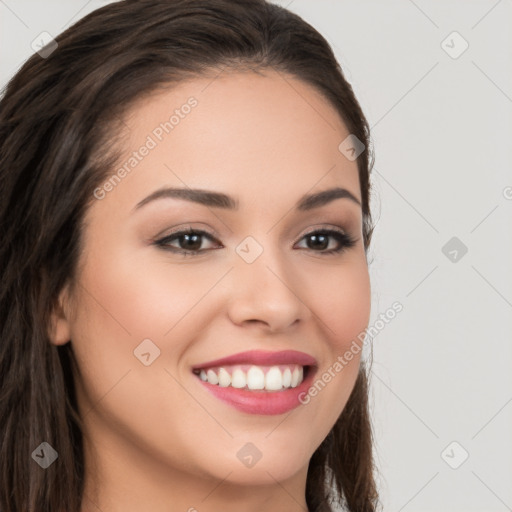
<point x="262" y="358"/>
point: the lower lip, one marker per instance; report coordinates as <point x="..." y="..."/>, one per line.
<point x="261" y="401"/>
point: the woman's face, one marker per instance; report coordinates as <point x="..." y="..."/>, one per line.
<point x="149" y="318"/>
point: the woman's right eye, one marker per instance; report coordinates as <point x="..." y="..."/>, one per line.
<point x="189" y="241"/>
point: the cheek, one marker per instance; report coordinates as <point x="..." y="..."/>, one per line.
<point x="125" y="300"/>
<point x="344" y="309"/>
<point x="344" y="306"/>
<point x="122" y="306"/>
<point x="141" y="297"/>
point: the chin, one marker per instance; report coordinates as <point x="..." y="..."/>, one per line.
<point x="262" y="461"/>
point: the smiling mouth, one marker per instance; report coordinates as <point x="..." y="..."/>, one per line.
<point x="255" y="377"/>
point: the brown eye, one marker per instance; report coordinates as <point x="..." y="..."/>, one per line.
<point x="188" y="241"/>
<point x="318" y="241"/>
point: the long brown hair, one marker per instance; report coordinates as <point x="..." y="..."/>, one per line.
<point x="56" y="117"/>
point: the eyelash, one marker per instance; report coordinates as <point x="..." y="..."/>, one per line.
<point x="345" y="241"/>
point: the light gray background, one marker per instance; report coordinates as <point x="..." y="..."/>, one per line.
<point x="442" y="133"/>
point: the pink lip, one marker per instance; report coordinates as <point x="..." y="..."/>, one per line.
<point x="262" y="358"/>
<point x="261" y="401"/>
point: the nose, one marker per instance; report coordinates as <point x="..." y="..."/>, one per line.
<point x="263" y="292"/>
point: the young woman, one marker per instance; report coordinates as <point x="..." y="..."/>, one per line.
<point x="185" y="221"/>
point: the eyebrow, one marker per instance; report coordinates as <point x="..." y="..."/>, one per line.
<point x="220" y="200"/>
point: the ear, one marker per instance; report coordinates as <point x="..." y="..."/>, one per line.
<point x="60" y="328"/>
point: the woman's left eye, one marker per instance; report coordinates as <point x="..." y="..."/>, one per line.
<point x="190" y="241"/>
<point x="320" y="238"/>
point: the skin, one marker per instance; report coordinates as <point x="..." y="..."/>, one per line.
<point x="155" y="439"/>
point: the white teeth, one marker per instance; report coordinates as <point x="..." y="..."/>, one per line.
<point x="270" y="378"/>
<point x="255" y="378"/>
<point x="224" y="378"/>
<point x="295" y="377"/>
<point x="238" y="379"/>
<point x="212" y="377"/>
<point x="274" y="379"/>
<point x="287" y="378"/>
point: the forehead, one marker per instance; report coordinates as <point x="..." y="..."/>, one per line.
<point x="259" y="134"/>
